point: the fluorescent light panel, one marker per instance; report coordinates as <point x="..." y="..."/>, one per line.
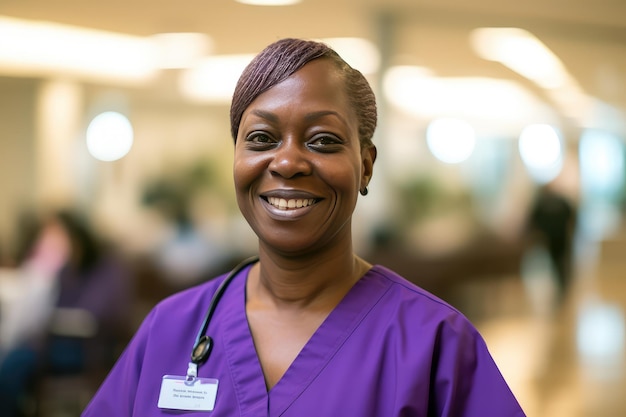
<point x="38" y="48"/>
<point x="416" y="92"/>
<point x="43" y="48"/>
<point x="213" y="80"/>
<point x="522" y="52"/>
<point x="181" y="49"/>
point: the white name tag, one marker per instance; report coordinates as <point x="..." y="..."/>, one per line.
<point x="179" y="394"/>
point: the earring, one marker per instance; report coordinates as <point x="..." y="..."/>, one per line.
<point x="364" y="191"/>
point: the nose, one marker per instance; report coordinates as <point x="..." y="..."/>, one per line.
<point x="291" y="159"/>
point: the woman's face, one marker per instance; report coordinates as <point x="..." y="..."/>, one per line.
<point x="298" y="165"/>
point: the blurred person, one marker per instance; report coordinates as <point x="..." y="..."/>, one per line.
<point x="95" y="290"/>
<point x="307" y="328"/>
<point x="29" y="288"/>
<point x="71" y="300"/>
<point x="552" y="225"/>
<point x="185" y="254"/>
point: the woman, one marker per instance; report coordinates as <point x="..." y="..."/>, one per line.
<point x="309" y="329"/>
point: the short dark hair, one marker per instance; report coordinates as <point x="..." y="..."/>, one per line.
<point x="280" y="60"/>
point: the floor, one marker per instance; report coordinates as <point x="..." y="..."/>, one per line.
<point x="565" y="360"/>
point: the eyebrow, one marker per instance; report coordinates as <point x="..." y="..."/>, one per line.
<point x="265" y="115"/>
<point x="309" y="117"/>
<point x="322" y="113"/>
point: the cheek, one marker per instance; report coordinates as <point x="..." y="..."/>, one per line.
<point x="245" y="171"/>
<point x="240" y="174"/>
<point x="344" y="176"/>
<point x="242" y="180"/>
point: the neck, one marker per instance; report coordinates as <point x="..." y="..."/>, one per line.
<point x="304" y="282"/>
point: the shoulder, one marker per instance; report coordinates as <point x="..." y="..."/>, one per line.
<point x="408" y="292"/>
<point x="429" y="330"/>
<point x="415" y="308"/>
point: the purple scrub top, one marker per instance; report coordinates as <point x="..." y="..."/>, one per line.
<point x="388" y="349"/>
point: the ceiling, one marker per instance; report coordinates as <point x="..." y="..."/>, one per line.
<point x="589" y="36"/>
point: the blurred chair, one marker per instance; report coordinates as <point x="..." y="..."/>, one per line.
<point x="80" y="353"/>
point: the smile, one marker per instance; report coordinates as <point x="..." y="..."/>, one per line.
<point x="294" y="203"/>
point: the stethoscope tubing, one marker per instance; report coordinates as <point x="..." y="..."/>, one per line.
<point x="204" y="343"/>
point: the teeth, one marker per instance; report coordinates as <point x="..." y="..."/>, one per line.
<point x="283" y="204"/>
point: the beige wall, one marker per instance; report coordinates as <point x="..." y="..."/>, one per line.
<point x="17" y="137"/>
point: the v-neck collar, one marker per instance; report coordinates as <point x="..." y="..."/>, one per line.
<point x="245" y="367"/>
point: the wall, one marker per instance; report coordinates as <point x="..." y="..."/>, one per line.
<point x="17" y="164"/>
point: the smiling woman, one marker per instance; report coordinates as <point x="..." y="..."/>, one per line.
<point x="308" y="319"/>
<point x="310" y="150"/>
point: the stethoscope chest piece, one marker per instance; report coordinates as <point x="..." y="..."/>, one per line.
<point x="202" y="349"/>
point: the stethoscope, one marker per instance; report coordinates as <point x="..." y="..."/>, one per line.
<point x="204" y="343"/>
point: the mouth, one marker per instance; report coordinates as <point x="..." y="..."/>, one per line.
<point x="291" y="203"/>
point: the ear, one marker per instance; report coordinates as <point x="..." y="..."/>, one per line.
<point x="368" y="157"/>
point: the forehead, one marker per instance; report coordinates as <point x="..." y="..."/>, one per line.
<point x="318" y="83"/>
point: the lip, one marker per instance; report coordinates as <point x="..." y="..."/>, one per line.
<point x="296" y="203"/>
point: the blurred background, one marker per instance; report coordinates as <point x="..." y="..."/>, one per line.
<point x="500" y="184"/>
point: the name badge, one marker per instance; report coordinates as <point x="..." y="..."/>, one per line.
<point x="189" y="394"/>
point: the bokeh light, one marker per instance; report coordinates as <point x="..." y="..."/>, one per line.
<point x="541" y="151"/>
<point x="450" y="140"/>
<point x="109" y="136"/>
<point x="602" y="162"/>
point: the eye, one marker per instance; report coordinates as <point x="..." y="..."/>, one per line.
<point x="260" y="140"/>
<point x="325" y="143"/>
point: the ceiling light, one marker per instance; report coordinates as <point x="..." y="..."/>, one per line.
<point x="522" y="52"/>
<point x="214" y="79"/>
<point x="181" y="50"/>
<point x="43" y="49"/>
<point x="526" y="55"/>
<point x="485" y="102"/>
<point x="360" y="53"/>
